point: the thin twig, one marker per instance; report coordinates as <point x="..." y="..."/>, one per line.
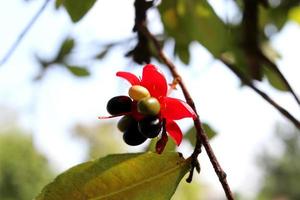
<point x="201" y="136"/>
<point x="248" y="82"/>
<point x="23" y="33"/>
<point x="274" y="67"/>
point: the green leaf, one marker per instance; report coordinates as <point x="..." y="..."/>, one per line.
<point x="139" y="176"/>
<point x="191" y="133"/>
<point x="188" y="21"/>
<point x="104" y="51"/>
<point x="58" y="3"/>
<point x="78" y="8"/>
<point x="65" y="49"/>
<point x="78" y="70"/>
<point x="275" y="80"/>
<point x="183" y="53"/>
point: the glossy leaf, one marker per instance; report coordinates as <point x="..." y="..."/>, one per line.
<point x="78" y="8"/>
<point x="78" y="70"/>
<point x="191" y="133"/>
<point x="140" y="176"/>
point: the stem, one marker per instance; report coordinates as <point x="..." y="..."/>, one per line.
<point x="23" y="33"/>
<point x="248" y="82"/>
<point x="201" y="135"/>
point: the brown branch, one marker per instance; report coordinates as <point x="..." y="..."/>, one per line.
<point x="24" y="32"/>
<point x="201" y="135"/>
<point x="249" y="83"/>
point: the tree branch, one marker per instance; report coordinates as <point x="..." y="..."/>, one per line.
<point x="23" y="33"/>
<point x="248" y="82"/>
<point x="251" y="45"/>
<point x="201" y="135"/>
<point x="141" y="7"/>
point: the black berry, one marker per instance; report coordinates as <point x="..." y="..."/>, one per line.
<point x="150" y="126"/>
<point x="118" y="105"/>
<point x="132" y="135"/>
<point x="125" y="122"/>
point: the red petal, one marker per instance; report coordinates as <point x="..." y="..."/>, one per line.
<point x="154" y="81"/>
<point x="174" y="109"/>
<point x="174" y="131"/>
<point x="131" y="78"/>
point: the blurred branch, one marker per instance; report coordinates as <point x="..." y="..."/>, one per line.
<point x="274" y="67"/>
<point x="249" y="83"/>
<point x="140" y="26"/>
<point x="23" y="33"/>
<point x="254" y="56"/>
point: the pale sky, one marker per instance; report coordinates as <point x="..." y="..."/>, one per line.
<point x="51" y="107"/>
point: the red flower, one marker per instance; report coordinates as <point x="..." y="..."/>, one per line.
<point x="170" y="108"/>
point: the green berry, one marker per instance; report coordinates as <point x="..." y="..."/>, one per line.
<point x="148" y="106"/>
<point x="138" y="92"/>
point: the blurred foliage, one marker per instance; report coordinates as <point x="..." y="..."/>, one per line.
<point x="190" y="191"/>
<point x="187" y="21"/>
<point x="190" y="134"/>
<point x="101" y="139"/>
<point x="242" y="41"/>
<point x="23" y="170"/>
<point x="63" y="59"/>
<point x="282" y="173"/>
<point x="76" y="8"/>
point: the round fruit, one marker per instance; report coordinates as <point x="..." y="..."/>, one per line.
<point x="125" y="122"/>
<point x="150" y="126"/>
<point x="118" y="105"/>
<point x="148" y="106"/>
<point x="138" y="92"/>
<point x="132" y="136"/>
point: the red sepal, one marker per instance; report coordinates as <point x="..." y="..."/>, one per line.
<point x="174" y="131"/>
<point x="154" y="81"/>
<point x="131" y="78"/>
<point x="161" y="143"/>
<point x="174" y="109"/>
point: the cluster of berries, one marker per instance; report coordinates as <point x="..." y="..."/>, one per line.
<point x="141" y="120"/>
<point x="148" y="111"/>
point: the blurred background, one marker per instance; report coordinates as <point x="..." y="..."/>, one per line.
<point x="60" y="77"/>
